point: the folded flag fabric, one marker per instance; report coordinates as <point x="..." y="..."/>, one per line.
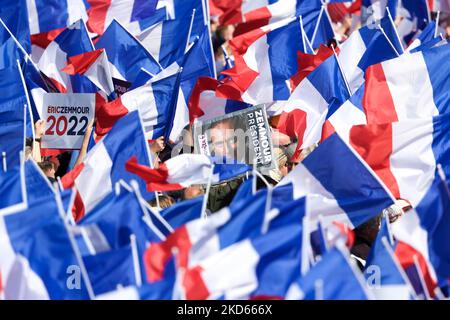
<point x="186" y="169"/>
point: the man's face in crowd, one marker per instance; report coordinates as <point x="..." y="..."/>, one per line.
<point x="223" y="140"/>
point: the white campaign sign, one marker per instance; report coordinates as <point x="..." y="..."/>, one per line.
<point x="66" y="118"/>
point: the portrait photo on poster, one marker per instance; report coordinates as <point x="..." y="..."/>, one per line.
<point x="243" y="136"/>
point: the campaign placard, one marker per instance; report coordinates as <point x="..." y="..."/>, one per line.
<point x="67" y="116"/>
<point x="243" y="136"/>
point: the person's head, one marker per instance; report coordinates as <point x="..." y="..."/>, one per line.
<point x="48" y="168"/>
<point x="192" y="192"/>
<point x="369" y="229"/>
<point x="225" y="33"/>
<point x="223" y="140"/>
<point x="164" y="202"/>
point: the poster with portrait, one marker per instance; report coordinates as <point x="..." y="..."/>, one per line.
<point x="243" y="136"/>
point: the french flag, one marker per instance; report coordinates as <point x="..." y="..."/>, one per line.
<point x="339" y="185"/>
<point x="315" y="18"/>
<point x="317" y="97"/>
<point x="205" y="105"/>
<point x="110" y="226"/>
<point x="184" y="170"/>
<point x="13" y="188"/>
<point x="184" y="211"/>
<point x="167" y="41"/>
<point x="234" y="11"/>
<point x="265" y="59"/>
<point x="387" y="148"/>
<point x="410" y="86"/>
<point x="421" y="236"/>
<point x="102" y="12"/>
<point x="349" y="114"/>
<point x="71" y="42"/>
<point x="95" y="66"/>
<point x="154" y="100"/>
<point x="394" y="283"/>
<point x="36" y="86"/>
<point x="334" y="277"/>
<point x="195" y="65"/>
<point x="245" y="228"/>
<point x="48" y="20"/>
<point x="104" y="165"/>
<point x="276" y="250"/>
<point x="425" y="36"/>
<point x="45" y="16"/>
<point x="37" y="252"/>
<point x="368" y="46"/>
<point x="126" y="54"/>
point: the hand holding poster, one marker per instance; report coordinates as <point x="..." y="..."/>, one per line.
<point x="67" y="116"/>
<point x="242" y="136"/>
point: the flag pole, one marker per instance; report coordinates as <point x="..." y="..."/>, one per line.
<point x="28" y="105"/>
<point x="317" y="25"/>
<point x="190" y="31"/>
<point x="303" y="34"/>
<point x="395" y="28"/>
<point x="14" y="38"/>
<point x="331" y="25"/>
<point x="342" y="72"/>
<point x="208" y="189"/>
<point x="5" y="168"/>
<point x="136" y="265"/>
<point x="388" y="224"/>
<point x="318" y="289"/>
<point x="75" y="248"/>
<point x="389" y="40"/>
<point x="389" y="250"/>
<point x="437" y="24"/>
<point x="146" y="217"/>
<point x="443" y="178"/>
<point x="157" y="215"/>
<point x="421" y="278"/>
